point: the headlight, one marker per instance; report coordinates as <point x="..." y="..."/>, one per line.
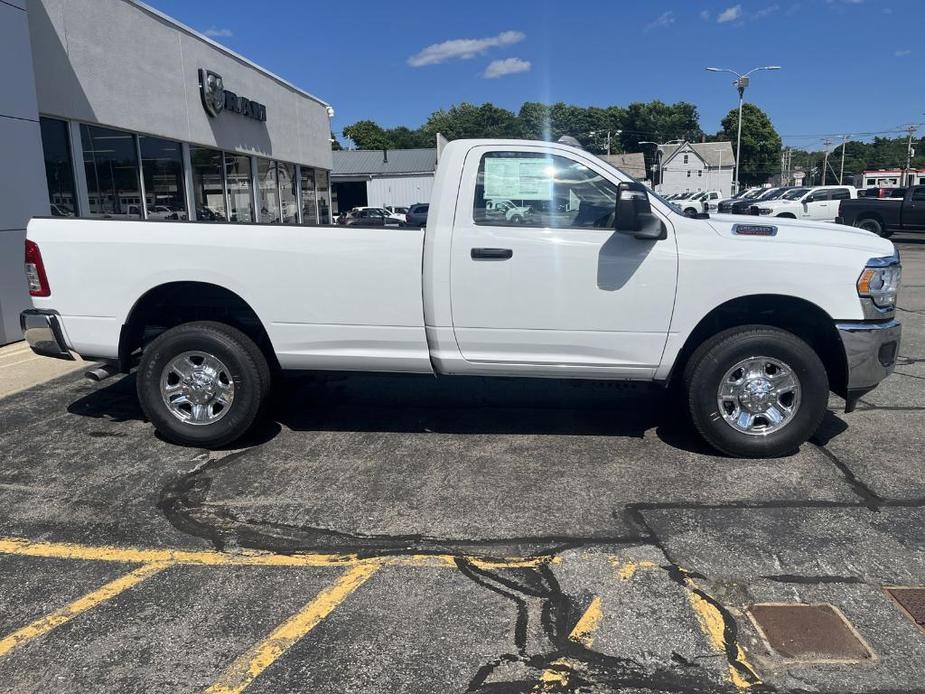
<point x="880" y="280"/>
<point x="765" y="210"/>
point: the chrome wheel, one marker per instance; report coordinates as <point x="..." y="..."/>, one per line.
<point x="197" y="388"/>
<point x="759" y="396"/>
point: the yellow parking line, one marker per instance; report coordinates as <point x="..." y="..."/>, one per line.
<point x="45" y="624"/>
<point x="248" y="667"/>
<point x="714" y="628"/>
<point x="556" y="675"/>
<point x="137" y="555"/>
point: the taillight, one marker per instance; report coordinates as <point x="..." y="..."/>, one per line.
<point x="35" y="271"/>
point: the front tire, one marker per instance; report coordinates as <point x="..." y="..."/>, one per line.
<point x="787" y="215"/>
<point x="756" y="391"/>
<point x="202" y="383"/>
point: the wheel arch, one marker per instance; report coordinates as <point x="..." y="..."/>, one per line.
<point x="173" y="303"/>
<point x="796" y="315"/>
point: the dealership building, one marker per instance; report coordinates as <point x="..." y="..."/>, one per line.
<point x="111" y="109"/>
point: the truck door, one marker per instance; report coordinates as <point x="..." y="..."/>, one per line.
<point x="554" y="286"/>
<point x="817" y="206"/>
<point x="914" y="210"/>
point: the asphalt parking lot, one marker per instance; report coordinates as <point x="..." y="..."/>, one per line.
<point x="386" y="534"/>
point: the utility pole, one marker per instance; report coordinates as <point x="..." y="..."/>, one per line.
<point x="911" y="130"/>
<point x="826" y="143"/>
<point x="841" y="173"/>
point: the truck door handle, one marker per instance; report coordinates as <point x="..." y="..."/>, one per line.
<point x="492" y="253"/>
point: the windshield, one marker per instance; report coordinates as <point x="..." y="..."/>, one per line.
<point x="795" y="193"/>
<point x="752" y="194"/>
<point x="780" y="192"/>
<point x="769" y="194"/>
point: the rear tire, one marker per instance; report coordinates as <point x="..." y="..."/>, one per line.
<point x="787" y="215"/>
<point x="690" y="211"/>
<point x="711" y="374"/>
<point x="227" y="381"/>
<point x="874" y="226"/>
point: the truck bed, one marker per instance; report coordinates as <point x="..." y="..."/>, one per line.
<point x="317" y="289"/>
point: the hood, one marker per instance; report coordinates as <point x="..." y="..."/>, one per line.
<point x="805" y="233"/>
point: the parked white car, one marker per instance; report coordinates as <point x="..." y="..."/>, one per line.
<point x="819" y="204"/>
<point x="511" y="212"/>
<point x="605" y="280"/>
<point x="703" y="201"/>
<point x="384" y="211"/>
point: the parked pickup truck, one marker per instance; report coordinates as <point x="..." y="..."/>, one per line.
<point x="885" y="216"/>
<point x="754" y="321"/>
<point x="819" y="204"/>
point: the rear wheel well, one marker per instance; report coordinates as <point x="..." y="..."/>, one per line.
<point x="175" y="303"/>
<point x="798" y="316"/>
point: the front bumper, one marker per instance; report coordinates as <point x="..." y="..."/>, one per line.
<point x="42" y="330"/>
<point x="871" y="349"/>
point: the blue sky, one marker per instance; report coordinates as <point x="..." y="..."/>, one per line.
<point x="849" y="66"/>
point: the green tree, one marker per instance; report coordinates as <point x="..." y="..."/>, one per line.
<point x="761" y="145"/>
<point x="335" y="144"/>
<point x="367" y="134"/>
<point x="467" y="120"/>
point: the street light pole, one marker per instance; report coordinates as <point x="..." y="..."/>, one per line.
<point x="740" y="84"/>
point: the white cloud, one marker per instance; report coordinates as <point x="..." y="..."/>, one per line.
<point x="218" y="32"/>
<point x="508" y="66"/>
<point x="730" y="14"/>
<point x="705" y="15"/>
<point x="463" y="49"/>
<point x="902" y="53"/>
<point x="663" y="20"/>
<point x="765" y="11"/>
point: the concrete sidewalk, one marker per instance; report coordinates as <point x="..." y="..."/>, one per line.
<point x="20" y="368"/>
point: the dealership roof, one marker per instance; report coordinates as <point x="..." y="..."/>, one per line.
<point x="378" y="162"/>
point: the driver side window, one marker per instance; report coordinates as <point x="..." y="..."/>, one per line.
<point x="541" y="190"/>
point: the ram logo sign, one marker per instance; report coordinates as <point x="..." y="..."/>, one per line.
<point x="215" y="98"/>
<point x="212" y="89"/>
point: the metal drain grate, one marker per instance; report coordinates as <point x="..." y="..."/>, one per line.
<point x="912" y="601"/>
<point x="809" y="632"/>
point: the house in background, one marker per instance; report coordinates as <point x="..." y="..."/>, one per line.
<point x="633" y="163"/>
<point x="695" y="166"/>
<point x="382" y="177"/>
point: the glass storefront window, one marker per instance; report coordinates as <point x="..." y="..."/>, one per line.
<point x="59" y="172"/>
<point x="111" y="163"/>
<point x="324" y="205"/>
<point x="288" y="193"/>
<point x="238" y="178"/>
<point x="309" y="202"/>
<point x="162" y="173"/>
<point x="267" y="192"/>
<point x="208" y="184"/>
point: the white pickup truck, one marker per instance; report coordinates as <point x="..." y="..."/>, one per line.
<point x="818" y="204"/>
<point x="755" y="321"/>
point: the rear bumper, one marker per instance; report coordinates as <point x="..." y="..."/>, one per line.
<point x="42" y="331"/>
<point x="871" y="349"/>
